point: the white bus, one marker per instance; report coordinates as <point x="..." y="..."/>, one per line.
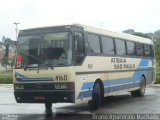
<point x="79" y="64"/>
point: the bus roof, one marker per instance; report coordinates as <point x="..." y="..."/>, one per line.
<point x="116" y="34"/>
<point x="103" y="32"/>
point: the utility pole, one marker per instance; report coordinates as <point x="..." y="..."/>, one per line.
<point x="16" y="23"/>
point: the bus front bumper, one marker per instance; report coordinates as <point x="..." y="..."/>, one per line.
<point x="43" y="96"/>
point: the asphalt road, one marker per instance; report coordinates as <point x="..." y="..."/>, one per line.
<point x="119" y="104"/>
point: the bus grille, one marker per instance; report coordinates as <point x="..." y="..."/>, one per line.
<point x="39" y="86"/>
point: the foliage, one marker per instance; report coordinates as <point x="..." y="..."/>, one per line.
<point x="157" y="56"/>
<point x="13" y="62"/>
<point x="5" y="62"/>
<point x="157" y="51"/>
<point x="140" y="34"/>
<point x="6" y="77"/>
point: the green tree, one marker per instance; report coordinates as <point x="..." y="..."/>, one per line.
<point x="12" y="62"/>
<point x="5" y="63"/>
<point x="157" y="51"/>
<point x="157" y="56"/>
<point x="140" y="34"/>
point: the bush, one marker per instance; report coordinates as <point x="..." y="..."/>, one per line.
<point x="6" y="80"/>
<point x="6" y="77"/>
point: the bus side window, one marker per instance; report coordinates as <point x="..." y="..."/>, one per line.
<point x="147" y="50"/>
<point x="79" y="47"/>
<point x="139" y="49"/>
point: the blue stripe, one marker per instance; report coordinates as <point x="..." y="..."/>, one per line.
<point x="20" y="77"/>
<point x="144" y="62"/>
<point x="87" y="85"/>
<point x="31" y="79"/>
<point x="85" y="94"/>
<point x="107" y="83"/>
<point x="110" y="89"/>
<point x="121" y="87"/>
<point x="135" y="77"/>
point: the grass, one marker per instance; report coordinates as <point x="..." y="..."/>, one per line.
<point x="6" y="77"/>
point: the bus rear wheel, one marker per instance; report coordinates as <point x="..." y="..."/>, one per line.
<point x="140" y="92"/>
<point x="96" y="97"/>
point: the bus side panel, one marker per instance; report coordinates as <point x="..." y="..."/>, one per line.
<point x="114" y="80"/>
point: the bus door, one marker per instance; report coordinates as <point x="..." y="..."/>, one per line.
<point x="79" y="48"/>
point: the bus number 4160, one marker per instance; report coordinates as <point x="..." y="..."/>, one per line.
<point x="61" y="78"/>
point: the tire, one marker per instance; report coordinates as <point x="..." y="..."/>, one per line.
<point x="96" y="97"/>
<point x="140" y="92"/>
<point x="48" y="107"/>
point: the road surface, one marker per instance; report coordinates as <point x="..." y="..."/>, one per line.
<point x="119" y="104"/>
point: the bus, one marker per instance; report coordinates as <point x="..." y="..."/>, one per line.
<point x="80" y="64"/>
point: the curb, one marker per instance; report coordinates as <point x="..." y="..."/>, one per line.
<point x="6" y="84"/>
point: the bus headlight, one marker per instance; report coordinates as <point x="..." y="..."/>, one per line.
<point x="18" y="87"/>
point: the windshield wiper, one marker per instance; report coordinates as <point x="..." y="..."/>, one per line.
<point x="30" y="66"/>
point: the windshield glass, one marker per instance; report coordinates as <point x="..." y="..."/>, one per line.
<point x="45" y="49"/>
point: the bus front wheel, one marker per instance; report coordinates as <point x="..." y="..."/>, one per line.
<point x="48" y="107"/>
<point x="140" y="92"/>
<point x="96" y="97"/>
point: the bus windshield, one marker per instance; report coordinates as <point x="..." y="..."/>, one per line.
<point x="50" y="49"/>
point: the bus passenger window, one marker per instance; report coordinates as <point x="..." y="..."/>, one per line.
<point x="120" y="47"/>
<point x="107" y="45"/>
<point x="94" y="43"/>
<point x="139" y="49"/>
<point x="131" y="48"/>
<point x="147" y="50"/>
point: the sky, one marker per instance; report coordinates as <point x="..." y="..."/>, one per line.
<point x="114" y="15"/>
